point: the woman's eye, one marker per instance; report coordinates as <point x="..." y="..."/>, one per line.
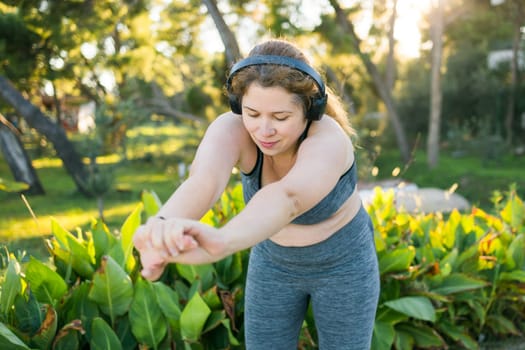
<point x="283" y="118"/>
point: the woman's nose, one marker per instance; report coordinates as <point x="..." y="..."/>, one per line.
<point x="268" y="128"/>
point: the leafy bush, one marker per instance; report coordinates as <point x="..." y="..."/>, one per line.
<point x="444" y="281"/>
<point x="456" y="280"/>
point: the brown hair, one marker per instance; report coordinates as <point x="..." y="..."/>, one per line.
<point x="288" y="78"/>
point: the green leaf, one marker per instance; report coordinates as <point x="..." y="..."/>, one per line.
<point x="458" y="334"/>
<point x="112" y="289"/>
<point x="424" y="336"/>
<point x="103" y="240"/>
<point x="103" y="337"/>
<point x="72" y="251"/>
<point x="396" y="260"/>
<point x="67" y="337"/>
<point x="515" y="253"/>
<point x="502" y="325"/>
<point x="193" y="318"/>
<point x="47" y="331"/>
<point x="230" y="268"/>
<point x="227" y="324"/>
<point x="145" y="315"/>
<point x="47" y="285"/>
<point x="11" y="287"/>
<point x="417" y="307"/>
<point x="456" y="283"/>
<point x="28" y="312"/>
<point x="514" y="212"/>
<point x="383" y="336"/>
<point x="169" y="300"/>
<point x="205" y="273"/>
<point x="151" y="202"/>
<point x="78" y="306"/>
<point x="8" y="340"/>
<point x="126" y="232"/>
<point x="516" y="275"/>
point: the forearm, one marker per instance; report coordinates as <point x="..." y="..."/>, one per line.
<point x="192" y="199"/>
<point x="267" y="213"/>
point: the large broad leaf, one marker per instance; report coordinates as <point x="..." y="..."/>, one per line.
<point x="47" y="331"/>
<point x="169" y="300"/>
<point x="103" y="337"/>
<point x="515" y="253"/>
<point x="514" y="212"/>
<point x="456" y="283"/>
<point x="416" y="307"/>
<point x="28" y="312"/>
<point x="151" y="203"/>
<point x="103" y="240"/>
<point x="126" y="233"/>
<point x="11" y="287"/>
<point x="193" y="318"/>
<point x="147" y="322"/>
<point x="229" y="269"/>
<point x="112" y="289"/>
<point x="517" y="275"/>
<point x="78" y="306"/>
<point x="397" y="260"/>
<point x="424" y="336"/>
<point x="458" y="334"/>
<point x="72" y="251"/>
<point x="46" y="284"/>
<point x="204" y="273"/>
<point x="67" y="337"/>
<point x="8" y="340"/>
<point x="383" y="336"/>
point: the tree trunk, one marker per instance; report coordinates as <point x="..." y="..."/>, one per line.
<point x="390" y="74"/>
<point x="231" y="47"/>
<point x="17" y="158"/>
<point x="382" y="88"/>
<point x="435" y="86"/>
<point x="52" y="131"/>
<point x="517" y="12"/>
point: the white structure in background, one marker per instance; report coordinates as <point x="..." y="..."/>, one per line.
<point x="410" y="198"/>
<point x="86" y="117"/>
<point x="496" y="2"/>
<point x="498" y="57"/>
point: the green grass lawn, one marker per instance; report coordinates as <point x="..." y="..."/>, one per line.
<point x="154" y="153"/>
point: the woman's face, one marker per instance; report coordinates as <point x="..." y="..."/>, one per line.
<point x="273" y="117"/>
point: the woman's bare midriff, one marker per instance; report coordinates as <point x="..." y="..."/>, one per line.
<point x="294" y="235"/>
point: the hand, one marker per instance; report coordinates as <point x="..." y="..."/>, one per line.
<point x="158" y="240"/>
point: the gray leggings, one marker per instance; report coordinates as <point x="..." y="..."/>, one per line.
<point x="339" y="276"/>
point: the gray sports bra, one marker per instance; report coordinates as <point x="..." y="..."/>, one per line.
<point x="344" y="188"/>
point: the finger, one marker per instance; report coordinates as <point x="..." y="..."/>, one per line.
<point x="140" y="238"/>
<point x="152" y="274"/>
<point x="172" y="238"/>
<point x="157" y="235"/>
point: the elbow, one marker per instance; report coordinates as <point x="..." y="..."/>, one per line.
<point x="295" y="207"/>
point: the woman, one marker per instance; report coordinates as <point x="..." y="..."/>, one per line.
<point x="312" y="240"/>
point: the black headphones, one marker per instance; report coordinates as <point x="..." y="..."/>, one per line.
<point x="318" y="105"/>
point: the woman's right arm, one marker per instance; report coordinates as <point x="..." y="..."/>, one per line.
<point x="218" y="152"/>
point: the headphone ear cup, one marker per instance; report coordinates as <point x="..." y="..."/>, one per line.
<point x="235" y="104"/>
<point x="317" y="108"/>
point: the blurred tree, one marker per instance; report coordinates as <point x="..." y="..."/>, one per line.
<point x="379" y="83"/>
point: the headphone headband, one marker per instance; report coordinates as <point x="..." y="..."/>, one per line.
<point x="315" y="112"/>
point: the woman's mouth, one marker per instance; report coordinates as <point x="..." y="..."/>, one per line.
<point x="267" y="144"/>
